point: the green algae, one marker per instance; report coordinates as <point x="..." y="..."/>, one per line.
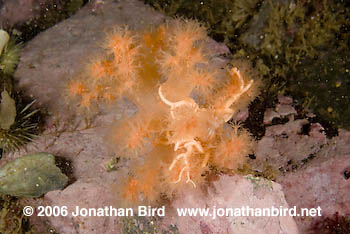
<point x="325" y="84"/>
<point x="7" y="110"/>
<point x="10" y="57"/>
<point x="18" y="125"/>
<point x="31" y="176"/>
<point x="223" y="18"/>
<point x="112" y="165"/>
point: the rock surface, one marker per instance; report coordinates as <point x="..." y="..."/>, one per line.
<point x="235" y="192"/>
<point x="18" y="11"/>
<point x="322" y="182"/>
<point x="312" y="166"/>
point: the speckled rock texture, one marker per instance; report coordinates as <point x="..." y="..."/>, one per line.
<point x="322" y="182"/>
<point x="235" y="192"/>
<point x="288" y="144"/>
<point x="312" y="166"/>
<point x="19" y="11"/>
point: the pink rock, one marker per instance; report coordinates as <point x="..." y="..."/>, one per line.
<point x="284" y="110"/>
<point x="321" y="183"/>
<point x="285" y="99"/>
<point x="234" y="192"/>
<point x="317" y="131"/>
<point x="88" y="194"/>
<point x="291" y="127"/>
<point x="284" y="144"/>
<point x="269" y="115"/>
<point x="318" y="181"/>
<point x="242" y="115"/>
